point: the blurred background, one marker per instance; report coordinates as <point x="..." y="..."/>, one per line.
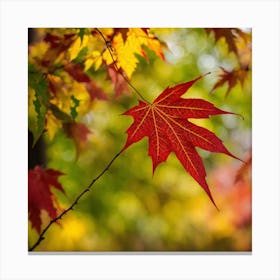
<point x="131" y="209"/>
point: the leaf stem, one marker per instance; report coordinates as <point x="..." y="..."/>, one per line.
<point x="71" y="207"/>
<point x="109" y="47"/>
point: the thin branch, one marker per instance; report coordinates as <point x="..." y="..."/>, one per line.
<point x="109" y="47"/>
<point x="71" y="207"/>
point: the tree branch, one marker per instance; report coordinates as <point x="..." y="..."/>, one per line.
<point x="71" y="207"/>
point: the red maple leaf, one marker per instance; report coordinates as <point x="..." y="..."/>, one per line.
<point x="165" y="122"/>
<point x="95" y="91"/>
<point x="79" y="133"/>
<point x="231" y="77"/>
<point x="40" y="198"/>
<point x="77" y="72"/>
<point x="120" y="84"/>
<point x="229" y="34"/>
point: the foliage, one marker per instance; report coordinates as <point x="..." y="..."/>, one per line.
<point x="80" y="82"/>
<point x="239" y="43"/>
<point x="40" y="196"/>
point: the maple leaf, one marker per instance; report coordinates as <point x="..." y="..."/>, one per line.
<point x="40" y="197"/>
<point x="77" y="72"/>
<point x="244" y="169"/>
<point x="128" y="42"/>
<point x="120" y="84"/>
<point x="165" y="122"/>
<point x="231" y="77"/>
<point x="229" y="34"/>
<point x="95" y="91"/>
<point x="39" y="87"/>
<point x="79" y="133"/>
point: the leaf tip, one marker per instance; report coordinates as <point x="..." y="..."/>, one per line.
<point x="212" y="200"/>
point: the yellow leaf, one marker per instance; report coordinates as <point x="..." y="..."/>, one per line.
<point x="107" y="31"/>
<point x="86" y="41"/>
<point x="61" y="98"/>
<point x="98" y="61"/>
<point x="52" y="124"/>
<point x="65" y="88"/>
<point x="126" y="58"/>
<point x="124" y="51"/>
<point x="37" y="51"/>
<point x="79" y="91"/>
<point x="88" y="63"/>
<point x="107" y="56"/>
<point x="95" y="58"/>
<point x="75" y="49"/>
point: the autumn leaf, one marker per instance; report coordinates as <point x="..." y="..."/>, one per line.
<point x="94" y="58"/>
<point x="73" y="108"/>
<point x="128" y="42"/>
<point x="57" y="46"/>
<point x="229" y="34"/>
<point x="38" y="89"/>
<point x="95" y="91"/>
<point x="245" y="168"/>
<point x="77" y="72"/>
<point x="75" y="48"/>
<point x="40" y="197"/>
<point x="119" y="83"/>
<point x="79" y="133"/>
<point x="165" y="122"/>
<point x="232" y="78"/>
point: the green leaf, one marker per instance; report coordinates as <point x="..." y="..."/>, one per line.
<point x="81" y="56"/>
<point x="76" y="103"/>
<point x="38" y="83"/>
<point x="82" y="32"/>
<point x="41" y="114"/>
<point x="60" y="114"/>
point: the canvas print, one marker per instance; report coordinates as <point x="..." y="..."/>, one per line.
<point x="139" y="139"/>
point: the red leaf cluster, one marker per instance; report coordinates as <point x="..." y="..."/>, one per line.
<point x="40" y="197"/>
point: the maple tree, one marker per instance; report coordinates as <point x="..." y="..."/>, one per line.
<point x="71" y="70"/>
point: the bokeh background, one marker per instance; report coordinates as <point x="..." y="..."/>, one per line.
<point x="131" y="209"/>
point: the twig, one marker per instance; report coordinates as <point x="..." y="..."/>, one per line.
<point x="71" y="207"/>
<point x="109" y="47"/>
